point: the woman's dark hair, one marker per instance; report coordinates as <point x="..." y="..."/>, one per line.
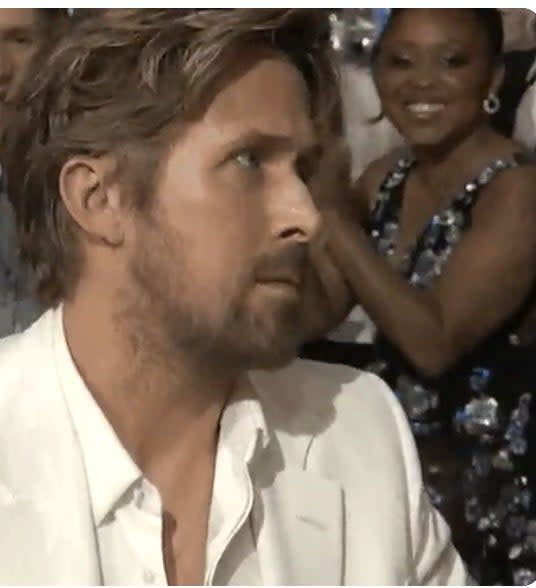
<point x="489" y="19"/>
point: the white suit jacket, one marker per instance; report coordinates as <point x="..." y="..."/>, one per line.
<point x="338" y="492"/>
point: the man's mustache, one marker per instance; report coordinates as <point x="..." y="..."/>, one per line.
<point x="287" y="265"/>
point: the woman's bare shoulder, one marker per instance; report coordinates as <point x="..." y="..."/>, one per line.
<point x="515" y="183"/>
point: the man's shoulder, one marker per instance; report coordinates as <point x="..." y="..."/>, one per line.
<point x="22" y="357"/>
<point x="339" y="422"/>
<point x="319" y="399"/>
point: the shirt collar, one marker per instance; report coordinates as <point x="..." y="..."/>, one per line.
<point x="110" y="470"/>
<point x="243" y="427"/>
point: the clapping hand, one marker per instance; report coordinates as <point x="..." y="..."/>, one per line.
<point x="327" y="297"/>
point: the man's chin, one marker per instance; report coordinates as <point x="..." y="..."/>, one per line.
<point x="255" y="343"/>
<point x="270" y="362"/>
<point x="273" y="354"/>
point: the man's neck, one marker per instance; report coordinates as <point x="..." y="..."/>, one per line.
<point x="164" y="409"/>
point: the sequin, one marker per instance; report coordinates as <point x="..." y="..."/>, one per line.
<point x="515" y="551"/>
<point x="426" y="429"/>
<point x="453" y="235"/>
<point x="426" y="268"/>
<point x="416" y="399"/>
<point x="524" y="576"/>
<point x="433" y="233"/>
<point x="529" y="544"/>
<point x="377" y="367"/>
<point x="481" y="416"/>
<point x="479" y="379"/>
<point x="515" y="527"/>
<point x="502" y="461"/>
<point x="472" y="510"/>
<point x="471" y="188"/>
<point x="531" y="528"/>
<point x="481" y="463"/>
<point x="518" y="446"/>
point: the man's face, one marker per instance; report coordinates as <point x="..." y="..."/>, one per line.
<point x="220" y="261"/>
<point x="21" y="32"/>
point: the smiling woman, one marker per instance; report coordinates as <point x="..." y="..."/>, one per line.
<point x="438" y="245"/>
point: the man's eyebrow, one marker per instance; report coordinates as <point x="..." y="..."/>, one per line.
<point x="16" y="31"/>
<point x="270" y="141"/>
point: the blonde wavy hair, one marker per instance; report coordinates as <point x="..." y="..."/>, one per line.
<point x="116" y="83"/>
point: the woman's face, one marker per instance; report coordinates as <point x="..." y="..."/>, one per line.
<point x="433" y="71"/>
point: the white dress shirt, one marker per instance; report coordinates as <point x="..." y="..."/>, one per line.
<point x="126" y="507"/>
<point x="325" y="478"/>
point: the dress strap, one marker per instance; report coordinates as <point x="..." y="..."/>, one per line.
<point x="469" y="194"/>
<point x="388" y="200"/>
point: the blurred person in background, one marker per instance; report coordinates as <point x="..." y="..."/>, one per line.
<point x="354" y="32"/>
<point x="519" y="93"/>
<point x="438" y="246"/>
<point x="24" y="33"/>
<point x="515" y="116"/>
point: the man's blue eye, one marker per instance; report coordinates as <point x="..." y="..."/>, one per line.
<point x="248" y="159"/>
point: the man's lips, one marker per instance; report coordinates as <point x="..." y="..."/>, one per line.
<point x="289" y="279"/>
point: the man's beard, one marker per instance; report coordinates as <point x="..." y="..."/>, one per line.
<point x="171" y="319"/>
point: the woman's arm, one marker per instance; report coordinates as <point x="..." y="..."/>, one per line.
<point x="328" y="297"/>
<point x="485" y="281"/>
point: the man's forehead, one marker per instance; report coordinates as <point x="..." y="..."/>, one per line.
<point x="18" y="18"/>
<point x="266" y="85"/>
<point x="270" y="99"/>
<point x="271" y="128"/>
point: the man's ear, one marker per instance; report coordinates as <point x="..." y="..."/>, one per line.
<point x="91" y="199"/>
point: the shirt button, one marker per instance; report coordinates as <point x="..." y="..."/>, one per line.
<point x="148" y="577"/>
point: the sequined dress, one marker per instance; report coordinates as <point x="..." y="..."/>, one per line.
<point x="474" y="424"/>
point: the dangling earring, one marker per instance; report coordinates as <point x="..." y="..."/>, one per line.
<point x="492" y="103"/>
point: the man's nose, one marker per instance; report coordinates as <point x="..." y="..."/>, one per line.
<point x="6" y="69"/>
<point x="294" y="215"/>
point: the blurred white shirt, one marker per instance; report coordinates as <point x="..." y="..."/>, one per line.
<point x="525" y="122"/>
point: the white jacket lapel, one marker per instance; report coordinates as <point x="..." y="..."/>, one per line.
<point x="22" y="546"/>
<point x="299" y="528"/>
<point x="46" y="528"/>
<point x="44" y="546"/>
<point x="34" y="551"/>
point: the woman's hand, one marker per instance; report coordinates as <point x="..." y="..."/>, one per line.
<point x="328" y="298"/>
<point x="331" y="186"/>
